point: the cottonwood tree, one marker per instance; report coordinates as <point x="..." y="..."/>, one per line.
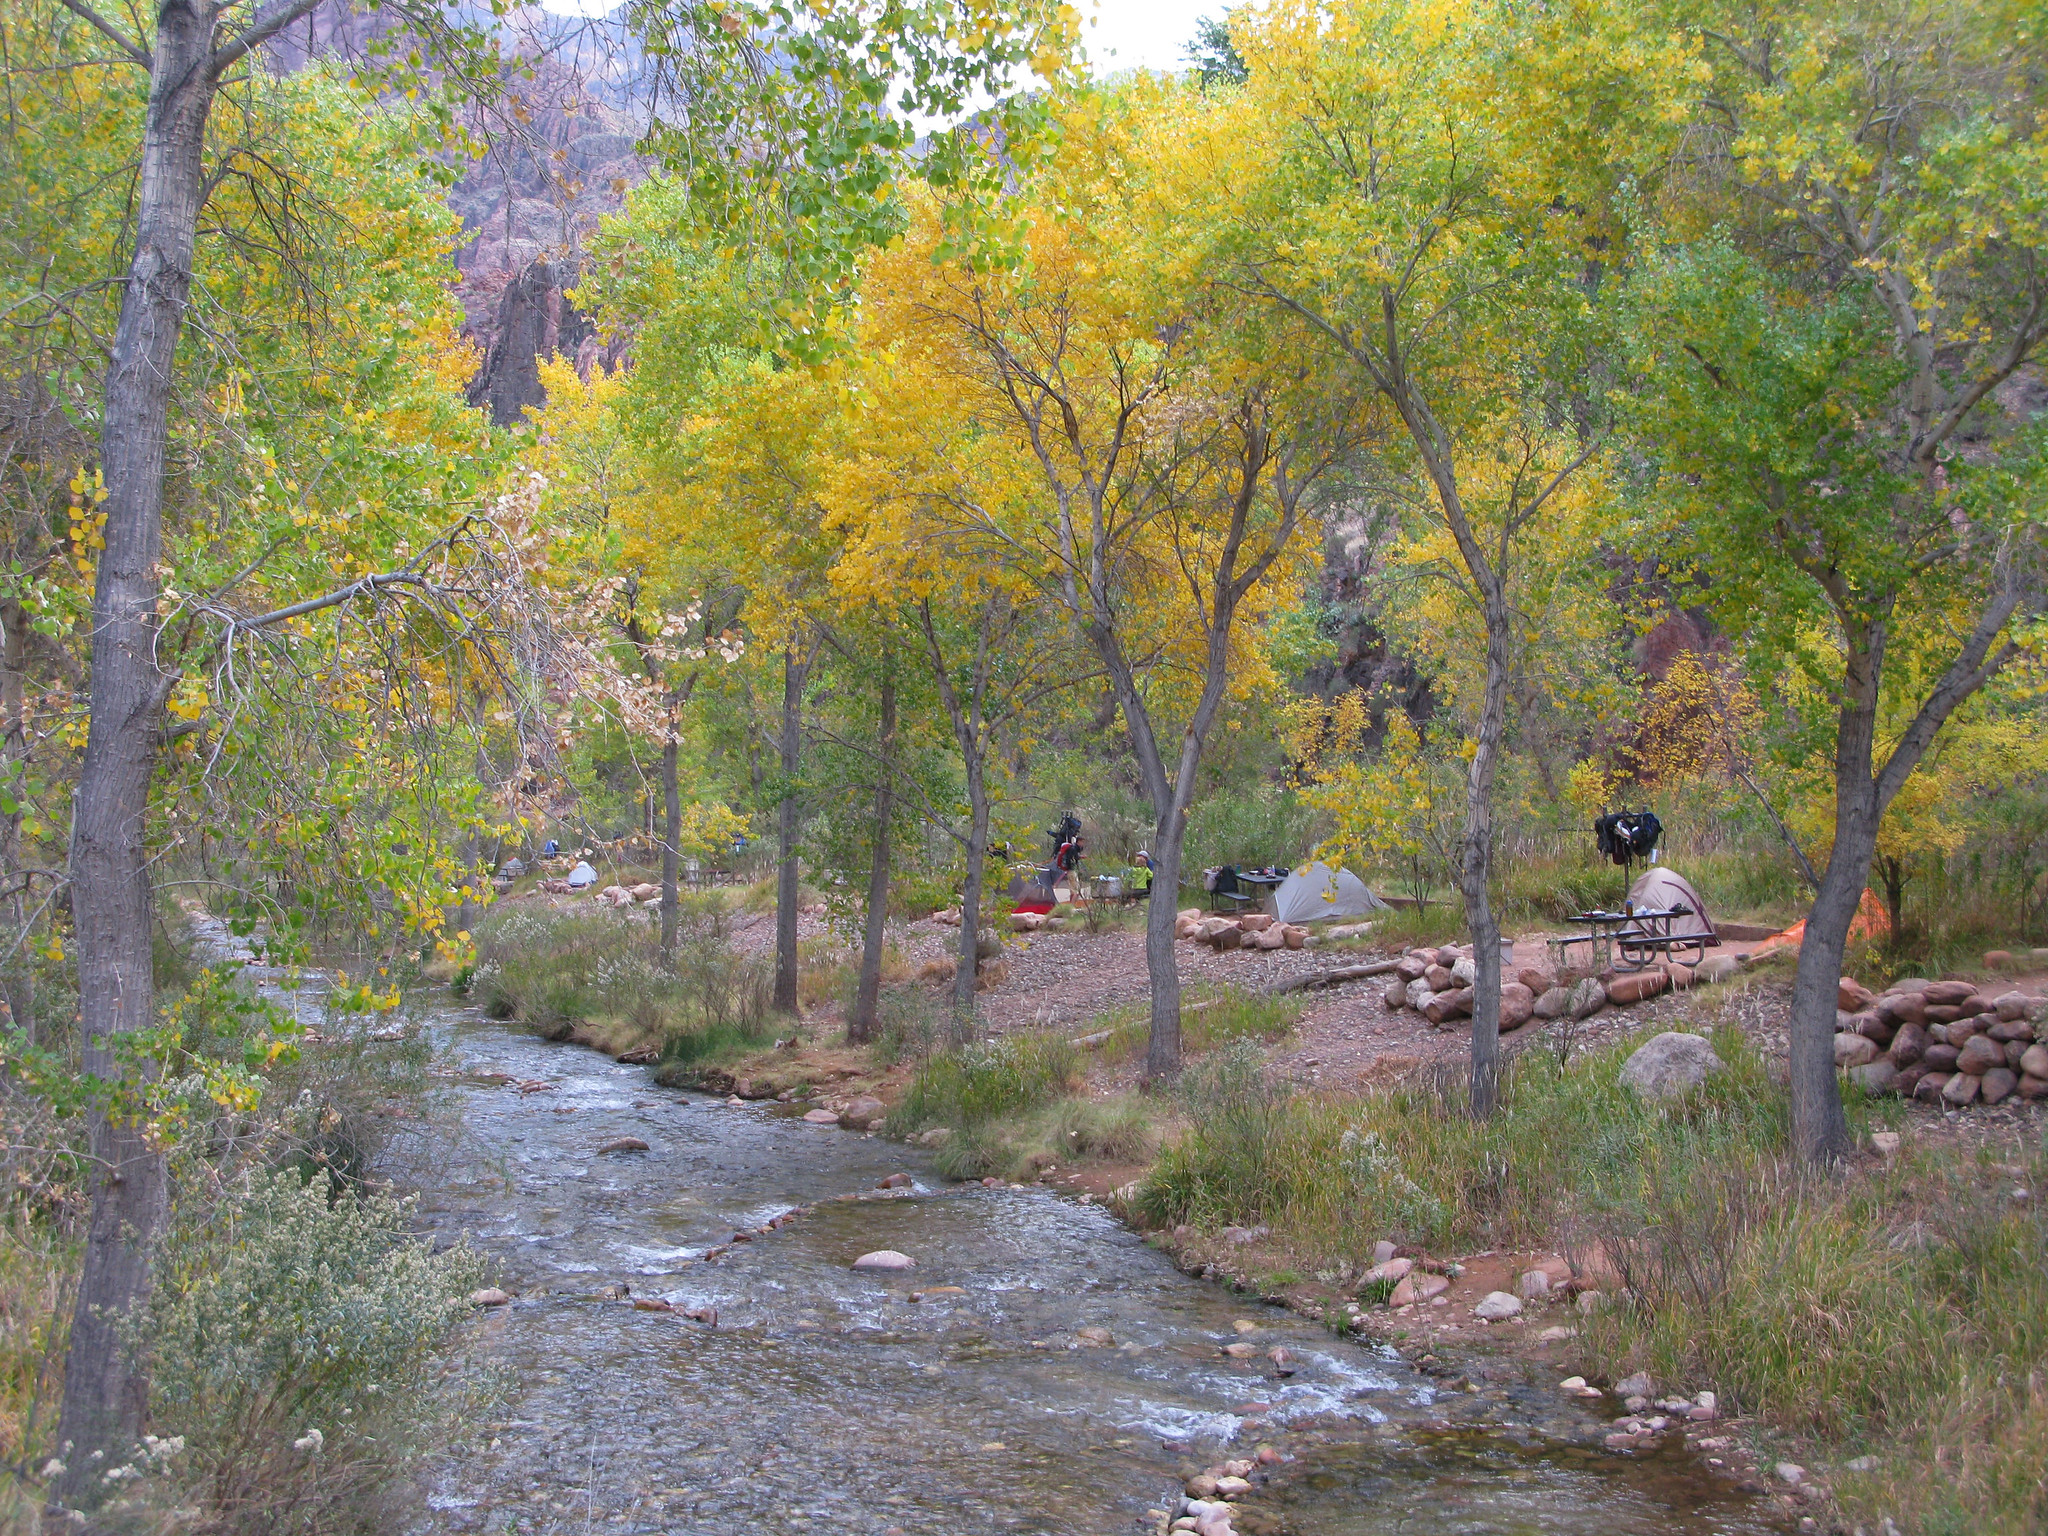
<point x="1432" y="203"/>
<point x="1831" y="344"/>
<point x="832" y="78"/>
<point x="1131" y="449"/>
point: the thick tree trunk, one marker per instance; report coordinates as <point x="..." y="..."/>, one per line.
<point x="105" y="1394"/>
<point x="1820" y="1130"/>
<point x="970" y="902"/>
<point x="786" y="887"/>
<point x="671" y="835"/>
<point x="860" y="1024"/>
<point x="1162" y="963"/>
<point x="1475" y="861"/>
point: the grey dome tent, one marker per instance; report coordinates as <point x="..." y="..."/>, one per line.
<point x="1661" y="888"/>
<point x="1314" y="892"/>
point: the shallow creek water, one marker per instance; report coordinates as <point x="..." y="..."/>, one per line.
<point x="827" y="1400"/>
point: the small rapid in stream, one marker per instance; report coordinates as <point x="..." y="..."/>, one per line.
<point x="829" y="1400"/>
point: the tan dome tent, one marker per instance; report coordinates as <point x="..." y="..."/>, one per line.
<point x="1314" y="892"/>
<point x="1661" y="889"/>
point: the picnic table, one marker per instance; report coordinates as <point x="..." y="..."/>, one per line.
<point x="1633" y="940"/>
<point x="1254" y="883"/>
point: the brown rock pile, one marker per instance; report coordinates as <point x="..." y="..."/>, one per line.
<point x="1247" y="930"/>
<point x="1944" y="1042"/>
<point x="1437" y="983"/>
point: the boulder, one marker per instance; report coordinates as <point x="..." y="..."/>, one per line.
<point x="1588" y="997"/>
<point x="2034" y="1062"/>
<point x="1716" y="968"/>
<point x="1680" y="973"/>
<point x="1267" y="938"/>
<point x="1396" y="995"/>
<point x="1636" y="987"/>
<point x="1498" y="1305"/>
<point x="1940" y="1057"/>
<point x="1534" y="1285"/>
<point x="1230" y="938"/>
<point x="1194" y="912"/>
<point x="489" y="1296"/>
<point x="1670" y="1065"/>
<point x="1910" y="984"/>
<point x="1872" y="1026"/>
<point x="1448" y="1005"/>
<point x="1517" y="1005"/>
<point x="1465" y="971"/>
<point x="863" y="1113"/>
<point x="1929" y="1089"/>
<point x="1255" y="922"/>
<point x="2013" y="1005"/>
<point x="623" y="1144"/>
<point x="1879" y="1076"/>
<point x="2015" y="1053"/>
<point x="1420" y="992"/>
<point x="1999" y="1083"/>
<point x="885" y="1259"/>
<point x="1980" y="1053"/>
<point x="1909" y="1044"/>
<point x="1387" y="1271"/>
<point x="1294" y="937"/>
<point x="1999" y="960"/>
<point x="1961" y="1089"/>
<point x="1851" y="996"/>
<point x="1411" y="967"/>
<point x="1539" y="979"/>
<point x="822" y="1116"/>
<point x="1440" y="978"/>
<point x="1909" y="1079"/>
<point x="647" y="890"/>
<point x="2008" y="1031"/>
<point x="1903" y="1008"/>
<point x="1854" y="1051"/>
<point x="1977" y="1003"/>
<point x="1186" y="928"/>
<point x="1946" y="993"/>
<point x="1031" y="922"/>
<point x="1943" y="1013"/>
<point x="1959" y="1032"/>
<point x="2033" y="1086"/>
<point x="1553" y="1004"/>
<point x="1449" y="955"/>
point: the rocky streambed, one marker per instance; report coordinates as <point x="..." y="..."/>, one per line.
<point x="689" y="1349"/>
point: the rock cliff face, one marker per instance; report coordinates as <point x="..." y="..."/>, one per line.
<point x="561" y="159"/>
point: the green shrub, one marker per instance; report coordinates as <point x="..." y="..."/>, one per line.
<point x="295" y="1344"/>
<point x="1209" y="1018"/>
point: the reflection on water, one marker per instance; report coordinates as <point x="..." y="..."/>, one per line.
<point x="830" y="1400"/>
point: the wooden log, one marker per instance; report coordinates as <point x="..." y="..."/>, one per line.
<point x="1341" y="973"/>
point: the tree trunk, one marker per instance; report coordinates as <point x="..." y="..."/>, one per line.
<point x="671" y="835"/>
<point x="105" y="1393"/>
<point x="1162" y="964"/>
<point x="1891" y="870"/>
<point x="1475" y="856"/>
<point x="18" y="980"/>
<point x="970" y="901"/>
<point x="786" y="889"/>
<point x="860" y="1025"/>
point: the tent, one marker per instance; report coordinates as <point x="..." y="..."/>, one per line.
<point x="1662" y="887"/>
<point x="582" y="876"/>
<point x="1313" y="892"/>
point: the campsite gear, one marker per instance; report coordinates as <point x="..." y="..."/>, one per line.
<point x="550" y="848"/>
<point x="1627" y="837"/>
<point x="1315" y="891"/>
<point x="582" y="877"/>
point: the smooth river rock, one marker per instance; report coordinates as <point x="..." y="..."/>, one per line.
<point x="885" y="1258"/>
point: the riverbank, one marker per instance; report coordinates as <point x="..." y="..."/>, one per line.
<point x="1849" y="1332"/>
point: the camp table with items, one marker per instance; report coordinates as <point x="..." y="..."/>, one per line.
<point x="1632" y="941"/>
<point x="1252" y="886"/>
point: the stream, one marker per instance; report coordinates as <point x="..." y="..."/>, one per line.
<point x="826" y="1399"/>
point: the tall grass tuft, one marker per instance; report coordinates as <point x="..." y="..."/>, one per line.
<point x="600" y="978"/>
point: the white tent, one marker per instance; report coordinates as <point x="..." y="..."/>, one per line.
<point x="581" y="876"/>
<point x="1662" y="888"/>
<point x="1314" y="892"/>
